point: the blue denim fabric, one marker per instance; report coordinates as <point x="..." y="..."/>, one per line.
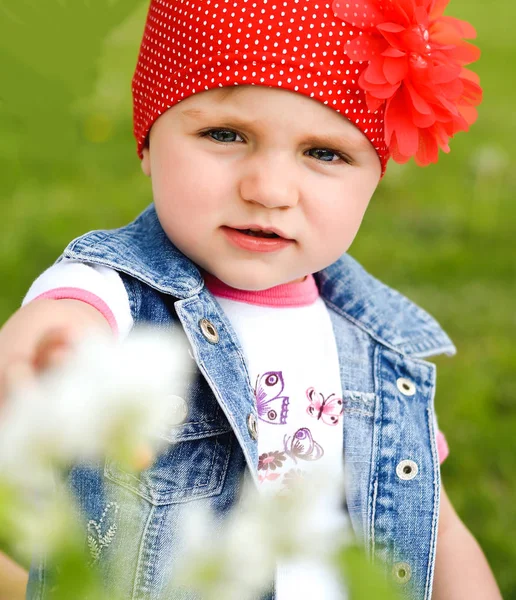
<point x="381" y="337"/>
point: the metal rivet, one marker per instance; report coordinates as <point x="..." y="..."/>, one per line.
<point x="209" y="331"/>
<point x="252" y="426"/>
<point x="407" y="470"/>
<point x="405" y="386"/>
<point x="401" y="572"/>
<point x="178" y="410"/>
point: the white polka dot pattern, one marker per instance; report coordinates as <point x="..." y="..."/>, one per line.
<point x="190" y="46"/>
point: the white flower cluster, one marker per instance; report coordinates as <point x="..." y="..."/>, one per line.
<point x="265" y="534"/>
<point x="117" y="398"/>
<point x="109" y="397"/>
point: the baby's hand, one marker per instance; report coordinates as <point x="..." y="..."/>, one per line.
<point x="50" y="351"/>
<point x="39" y="336"/>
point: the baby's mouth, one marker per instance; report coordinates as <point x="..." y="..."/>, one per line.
<point x="269" y="239"/>
<point x="259" y="233"/>
<point x="256" y="230"/>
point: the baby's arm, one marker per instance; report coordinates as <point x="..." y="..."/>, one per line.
<point x="34" y="337"/>
<point x="461" y="569"/>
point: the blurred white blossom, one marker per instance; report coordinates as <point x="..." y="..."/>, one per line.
<point x="236" y="559"/>
<point x="109" y="397"/>
<point x="115" y="398"/>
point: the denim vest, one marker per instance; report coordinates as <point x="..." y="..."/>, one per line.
<point x="389" y="425"/>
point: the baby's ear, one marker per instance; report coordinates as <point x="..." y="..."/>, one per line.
<point x="146" y="162"/>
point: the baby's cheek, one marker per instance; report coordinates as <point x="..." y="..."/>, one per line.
<point x="339" y="228"/>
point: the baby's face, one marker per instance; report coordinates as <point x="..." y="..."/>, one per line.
<point x="260" y="158"/>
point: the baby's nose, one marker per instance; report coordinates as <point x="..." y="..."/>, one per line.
<point x="270" y="183"/>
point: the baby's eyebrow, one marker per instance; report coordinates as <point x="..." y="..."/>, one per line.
<point x="194" y="113"/>
<point x="344" y="142"/>
<point x="199" y="114"/>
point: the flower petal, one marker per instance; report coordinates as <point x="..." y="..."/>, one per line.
<point x="422" y="121"/>
<point x="438" y="8"/>
<point x="374" y="73"/>
<point x="395" y="153"/>
<point x="395" y="69"/>
<point x="471" y="76"/>
<point x="382" y="92"/>
<point x="390" y="27"/>
<point x="444" y="73"/>
<point x="394" y="39"/>
<point x="469" y="113"/>
<point x="448" y="92"/>
<point x="464" y="53"/>
<point x="397" y="119"/>
<point x="373" y="104"/>
<point x="428" y="150"/>
<point x="463" y="28"/>
<point x="393" y="52"/>
<point x="420" y="107"/>
<point x="472" y="92"/>
<point x="399" y="11"/>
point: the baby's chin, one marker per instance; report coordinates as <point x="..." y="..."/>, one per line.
<point x="255" y="281"/>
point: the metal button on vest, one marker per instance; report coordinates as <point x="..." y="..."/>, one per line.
<point x="401" y="572"/>
<point x="252" y="426"/>
<point x="407" y="470"/>
<point x="178" y="410"/>
<point x="406" y="387"/>
<point x="209" y="331"/>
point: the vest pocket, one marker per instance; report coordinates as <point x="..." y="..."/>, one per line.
<point x="189" y="469"/>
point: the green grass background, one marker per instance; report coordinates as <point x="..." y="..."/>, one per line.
<point x="444" y="235"/>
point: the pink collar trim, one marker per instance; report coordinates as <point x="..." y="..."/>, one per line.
<point x="287" y="295"/>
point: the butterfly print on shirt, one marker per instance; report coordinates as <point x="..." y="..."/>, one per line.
<point x="328" y="410"/>
<point x="272" y="407"/>
<point x="303" y="446"/>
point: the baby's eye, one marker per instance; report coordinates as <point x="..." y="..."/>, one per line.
<point x="325" y="155"/>
<point x="222" y="135"/>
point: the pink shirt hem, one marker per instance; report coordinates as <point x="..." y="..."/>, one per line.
<point x="71" y="293"/>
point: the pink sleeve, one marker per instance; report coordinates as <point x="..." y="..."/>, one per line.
<point x="71" y="293"/>
<point x="442" y="447"/>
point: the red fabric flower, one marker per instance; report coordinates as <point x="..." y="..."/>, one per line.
<point x="415" y="70"/>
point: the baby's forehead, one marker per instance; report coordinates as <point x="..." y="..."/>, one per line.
<point x="258" y="101"/>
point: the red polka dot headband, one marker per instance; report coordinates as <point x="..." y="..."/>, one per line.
<point x="394" y="69"/>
